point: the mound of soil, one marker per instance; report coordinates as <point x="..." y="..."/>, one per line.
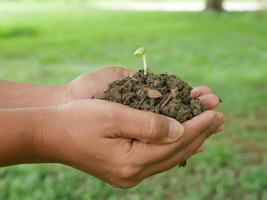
<point x="164" y="94"/>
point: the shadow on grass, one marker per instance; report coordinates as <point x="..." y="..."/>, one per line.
<point x="14" y="32"/>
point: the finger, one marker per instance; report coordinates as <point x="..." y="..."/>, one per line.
<point x="200" y="91"/>
<point x="220" y="129"/>
<point x="210" y="101"/>
<point x="199" y="150"/>
<point x="174" y="160"/>
<point x="200" y="124"/>
<point x="152" y="153"/>
<point x="146" y="126"/>
<point x="182" y="155"/>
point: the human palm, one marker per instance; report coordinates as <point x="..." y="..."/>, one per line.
<point x="93" y="84"/>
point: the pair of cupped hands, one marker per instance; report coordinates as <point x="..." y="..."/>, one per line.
<point x="116" y="143"/>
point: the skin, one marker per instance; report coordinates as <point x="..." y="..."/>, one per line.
<point x="118" y="144"/>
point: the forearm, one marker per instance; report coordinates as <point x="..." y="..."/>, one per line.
<point x="17" y="95"/>
<point x="20" y="136"/>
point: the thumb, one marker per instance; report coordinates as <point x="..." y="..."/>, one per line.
<point x="148" y="127"/>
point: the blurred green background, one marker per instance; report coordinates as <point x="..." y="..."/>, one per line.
<point x="227" y="51"/>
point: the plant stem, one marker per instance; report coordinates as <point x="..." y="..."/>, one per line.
<point x="145" y="64"/>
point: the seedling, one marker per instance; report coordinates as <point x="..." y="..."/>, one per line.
<point x="142" y="52"/>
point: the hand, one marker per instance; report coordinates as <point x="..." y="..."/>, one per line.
<point x="94" y="84"/>
<point x="117" y="143"/>
<point x="86" y="86"/>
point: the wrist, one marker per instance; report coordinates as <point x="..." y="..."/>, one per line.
<point x="22" y="136"/>
<point x="48" y="142"/>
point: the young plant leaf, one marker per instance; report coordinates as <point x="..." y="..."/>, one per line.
<point x="140" y="52"/>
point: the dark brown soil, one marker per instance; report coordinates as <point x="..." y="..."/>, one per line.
<point x="164" y="94"/>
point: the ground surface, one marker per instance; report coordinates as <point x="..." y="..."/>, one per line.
<point x="227" y="52"/>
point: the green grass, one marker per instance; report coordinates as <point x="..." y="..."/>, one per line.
<point x="227" y="52"/>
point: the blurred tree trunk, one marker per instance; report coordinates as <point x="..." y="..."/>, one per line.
<point x="216" y="5"/>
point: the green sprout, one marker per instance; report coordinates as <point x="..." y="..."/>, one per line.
<point x="142" y="52"/>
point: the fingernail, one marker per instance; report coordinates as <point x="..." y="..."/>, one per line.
<point x="221" y="128"/>
<point x="217" y="122"/>
<point x="176" y="130"/>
